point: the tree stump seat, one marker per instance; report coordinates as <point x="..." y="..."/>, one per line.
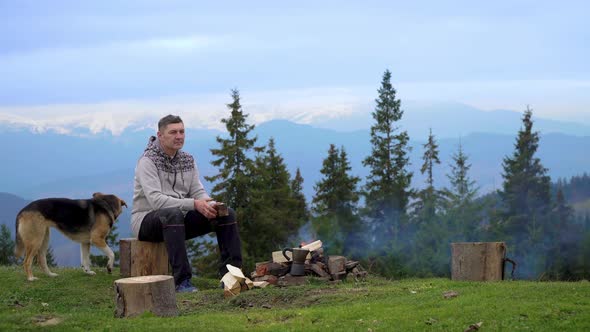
<point x="478" y="261"/>
<point x="141" y="258"/>
<point x="137" y="295"/>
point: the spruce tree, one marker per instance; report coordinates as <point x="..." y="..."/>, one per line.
<point x="462" y="188"/>
<point x="301" y="210"/>
<point x="583" y="257"/>
<point x="526" y="198"/>
<point x="334" y="204"/>
<point x="461" y="211"/>
<point x="234" y="166"/>
<point x="564" y="240"/>
<point x="233" y="181"/>
<point x="428" y="198"/>
<point x="526" y="184"/>
<point x="51" y="258"/>
<point x="6" y="246"/>
<point x="430" y="245"/>
<point x="562" y="211"/>
<point x="204" y="256"/>
<point x="387" y="187"/>
<point x="274" y="209"/>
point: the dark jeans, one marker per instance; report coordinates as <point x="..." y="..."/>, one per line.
<point x="172" y="227"/>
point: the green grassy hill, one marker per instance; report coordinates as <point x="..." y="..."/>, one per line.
<point x="75" y="301"/>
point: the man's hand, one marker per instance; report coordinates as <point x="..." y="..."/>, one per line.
<point x="205" y="208"/>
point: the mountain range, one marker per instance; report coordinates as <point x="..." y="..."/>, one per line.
<point x="50" y="164"/>
<point x="448" y="120"/>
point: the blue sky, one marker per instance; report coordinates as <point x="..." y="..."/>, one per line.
<point x="107" y="65"/>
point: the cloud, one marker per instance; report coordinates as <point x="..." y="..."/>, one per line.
<point x="179" y="43"/>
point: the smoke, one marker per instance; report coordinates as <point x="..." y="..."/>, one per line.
<point x="305" y="234"/>
<point x="398" y="245"/>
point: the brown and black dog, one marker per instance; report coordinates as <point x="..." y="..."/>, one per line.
<point x="86" y="221"/>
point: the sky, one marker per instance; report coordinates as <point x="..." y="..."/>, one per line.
<point x="110" y="65"/>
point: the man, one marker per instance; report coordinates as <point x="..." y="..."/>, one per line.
<point x="171" y="205"/>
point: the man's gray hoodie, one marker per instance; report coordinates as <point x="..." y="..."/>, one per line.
<point x="164" y="182"/>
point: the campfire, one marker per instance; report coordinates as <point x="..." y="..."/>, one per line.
<point x="280" y="270"/>
<point x="293" y="266"/>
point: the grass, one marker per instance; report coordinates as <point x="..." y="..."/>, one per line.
<point x="75" y="301"/>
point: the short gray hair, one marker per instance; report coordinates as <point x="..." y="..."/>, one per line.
<point x="168" y="119"/>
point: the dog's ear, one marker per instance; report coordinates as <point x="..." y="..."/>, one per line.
<point x="123" y="203"/>
<point x="96" y="195"/>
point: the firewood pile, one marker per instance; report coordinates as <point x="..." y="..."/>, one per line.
<point x="330" y="268"/>
<point x="234" y="282"/>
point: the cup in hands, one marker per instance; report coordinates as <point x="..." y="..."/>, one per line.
<point x="220" y="207"/>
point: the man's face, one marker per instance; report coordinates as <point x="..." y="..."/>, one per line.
<point x="172" y="137"/>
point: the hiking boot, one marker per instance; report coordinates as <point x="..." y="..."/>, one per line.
<point x="186" y="287"/>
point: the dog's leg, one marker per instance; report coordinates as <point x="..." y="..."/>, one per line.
<point x="30" y="252"/>
<point x="31" y="230"/>
<point x="42" y="258"/>
<point x="85" y="258"/>
<point x="101" y="244"/>
<point x="98" y="237"/>
<point x="111" y="255"/>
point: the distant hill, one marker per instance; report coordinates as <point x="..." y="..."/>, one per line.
<point x="305" y="147"/>
<point x="64" y="158"/>
<point x="451" y="120"/>
<point x="9" y="206"/>
<point x="582" y="207"/>
<point x="79" y="166"/>
<point x="576" y="191"/>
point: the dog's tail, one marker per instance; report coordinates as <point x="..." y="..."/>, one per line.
<point x="18" y="241"/>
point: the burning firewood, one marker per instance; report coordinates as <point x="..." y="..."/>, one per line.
<point x="231" y="285"/>
<point x="278" y="257"/>
<point x="313" y="246"/>
<point x="234" y="282"/>
<point x="330" y="268"/>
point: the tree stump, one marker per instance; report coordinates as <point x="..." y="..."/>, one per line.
<point x="136" y="295"/>
<point x="478" y="261"/>
<point x="141" y="258"/>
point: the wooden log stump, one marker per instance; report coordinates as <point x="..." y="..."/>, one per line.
<point x="268" y="278"/>
<point x="319" y="269"/>
<point x="336" y="264"/>
<point x="261" y="268"/>
<point x="136" y="295"/>
<point x="313" y="246"/>
<point x="477" y="261"/>
<point x="141" y="258"/>
<point x="277" y="269"/>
